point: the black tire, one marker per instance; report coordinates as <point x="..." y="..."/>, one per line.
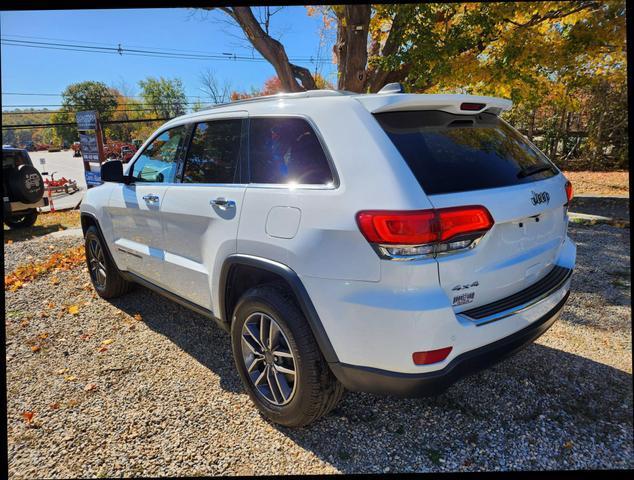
<point x="316" y="390"/>
<point x="24" y="220"/>
<point x="25" y="184"/>
<point x="113" y="285"/>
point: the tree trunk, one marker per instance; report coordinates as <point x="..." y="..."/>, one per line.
<point x="351" y="48"/>
<point x="272" y="50"/>
<point x="531" y="127"/>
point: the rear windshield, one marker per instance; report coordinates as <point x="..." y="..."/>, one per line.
<point x="14" y="158"/>
<point x="456" y="153"/>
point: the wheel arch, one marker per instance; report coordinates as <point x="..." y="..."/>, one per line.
<point x="88" y="220"/>
<point x="240" y="272"/>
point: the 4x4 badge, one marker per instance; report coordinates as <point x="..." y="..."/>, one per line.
<point x="463" y="287"/>
<point x="541" y="197"/>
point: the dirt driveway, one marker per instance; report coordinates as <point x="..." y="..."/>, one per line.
<point x="142" y="387"/>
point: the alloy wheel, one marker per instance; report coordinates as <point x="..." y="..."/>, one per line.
<point x="268" y="359"/>
<point x="97" y="263"/>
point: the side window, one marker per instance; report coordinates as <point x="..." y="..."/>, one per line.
<point x="157" y="163"/>
<point x="286" y="150"/>
<point x="214" y="152"/>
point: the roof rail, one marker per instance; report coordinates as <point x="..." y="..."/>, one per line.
<point x="305" y="94"/>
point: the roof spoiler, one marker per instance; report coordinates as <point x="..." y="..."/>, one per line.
<point x="452" y="103"/>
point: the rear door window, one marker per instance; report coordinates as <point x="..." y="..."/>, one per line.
<point x="214" y="152"/>
<point x="456" y="153"/>
<point x="286" y="150"/>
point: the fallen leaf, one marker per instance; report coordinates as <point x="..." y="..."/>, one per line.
<point x="35" y="348"/>
<point x="24" y="323"/>
<point x="568" y="444"/>
<point x="9" y="242"/>
<point x="107" y="342"/>
<point x="103" y="349"/>
<point x="73" y="309"/>
<point x="90" y="387"/>
<point x="43" y="335"/>
<point x="54" y="406"/>
<point x="51" y="305"/>
<point x="70" y="378"/>
<point x="28" y="416"/>
<point x="72" y="402"/>
<point x="55" y="281"/>
<point x="84" y="336"/>
<point x="138" y="317"/>
<point x="44" y="314"/>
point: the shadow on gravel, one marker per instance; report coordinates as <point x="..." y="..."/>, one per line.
<point x="540" y="402"/>
<point x="22" y="234"/>
<point x="196" y="335"/>
<point x="614" y="207"/>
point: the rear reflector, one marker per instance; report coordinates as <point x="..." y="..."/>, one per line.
<point x="432" y="356"/>
<point x="472" y="106"/>
<point x="569" y="191"/>
<point x="420" y="227"/>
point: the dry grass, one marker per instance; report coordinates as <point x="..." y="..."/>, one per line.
<point x="600" y="183"/>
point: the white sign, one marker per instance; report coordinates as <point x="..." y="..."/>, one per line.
<point x="86" y="120"/>
<point x="42" y="161"/>
<point x="89" y="147"/>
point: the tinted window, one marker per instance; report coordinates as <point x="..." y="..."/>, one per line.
<point x="286" y="150"/>
<point x="214" y="152"/>
<point x="157" y="163"/>
<point x="15" y="158"/>
<point x="456" y="153"/>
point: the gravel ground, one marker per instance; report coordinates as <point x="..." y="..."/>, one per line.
<point x="158" y="395"/>
<point x="35" y="250"/>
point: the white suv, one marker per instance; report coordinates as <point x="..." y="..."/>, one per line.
<point x="387" y="243"/>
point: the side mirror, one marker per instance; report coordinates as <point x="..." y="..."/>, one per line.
<point x="112" y="171"/>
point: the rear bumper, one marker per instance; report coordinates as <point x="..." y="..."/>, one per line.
<point x="373" y="380"/>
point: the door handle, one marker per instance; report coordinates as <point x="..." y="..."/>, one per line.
<point x="151" y="198"/>
<point x="222" y="203"/>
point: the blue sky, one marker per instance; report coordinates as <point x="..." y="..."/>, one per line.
<point x="35" y="70"/>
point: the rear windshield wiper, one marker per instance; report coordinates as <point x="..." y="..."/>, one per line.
<point x="527" y="172"/>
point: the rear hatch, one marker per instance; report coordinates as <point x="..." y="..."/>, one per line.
<point x="478" y="159"/>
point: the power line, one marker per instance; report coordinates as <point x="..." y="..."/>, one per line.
<point x="167" y="102"/>
<point x="60" y="95"/>
<point x="75" y="111"/>
<point x="188" y="51"/>
<point x="119" y="50"/>
<point x="65" y="124"/>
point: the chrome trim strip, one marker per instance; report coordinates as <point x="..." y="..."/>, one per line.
<point x="519" y="308"/>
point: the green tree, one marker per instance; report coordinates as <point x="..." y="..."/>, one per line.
<point x="80" y="97"/>
<point x="166" y="98"/>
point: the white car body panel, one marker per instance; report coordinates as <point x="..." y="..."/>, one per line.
<point x="375" y="312"/>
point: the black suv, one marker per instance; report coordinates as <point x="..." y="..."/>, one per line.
<point x="22" y="189"/>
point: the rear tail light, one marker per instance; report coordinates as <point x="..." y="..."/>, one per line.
<point x="407" y="235"/>
<point x="431" y="356"/>
<point x="472" y="106"/>
<point x="568" y="192"/>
